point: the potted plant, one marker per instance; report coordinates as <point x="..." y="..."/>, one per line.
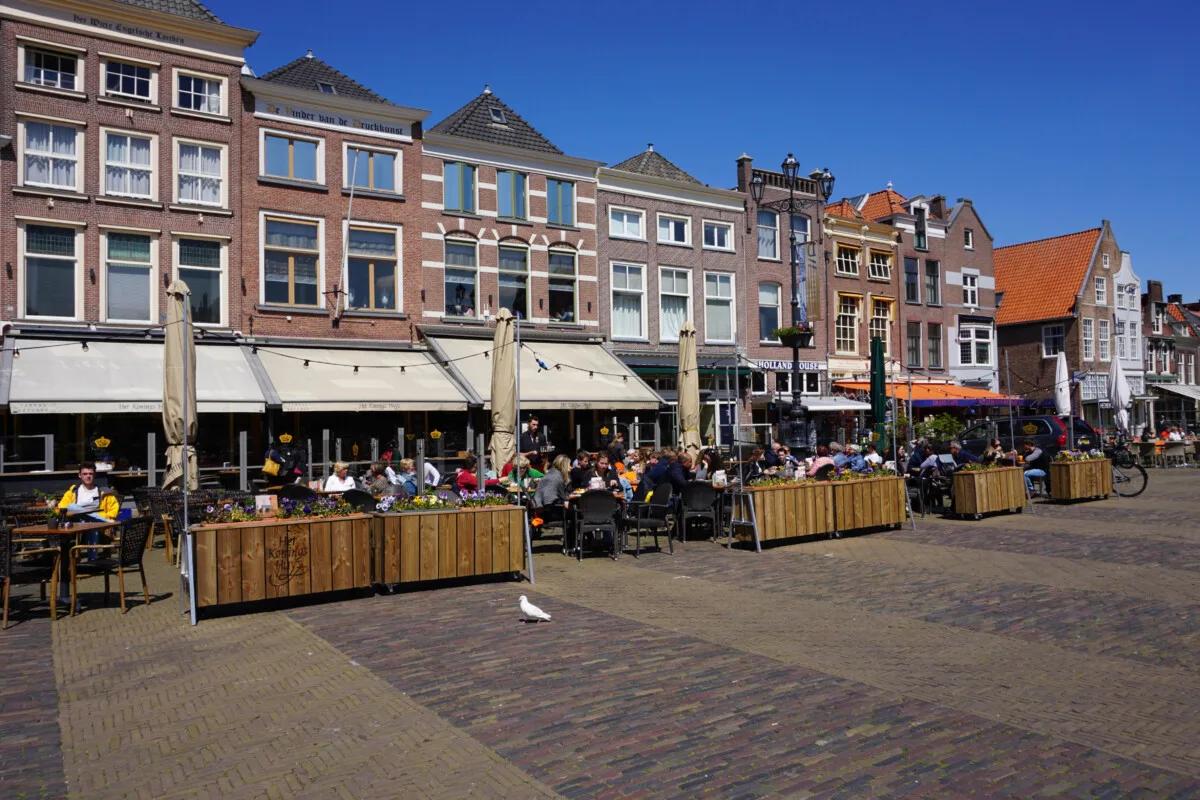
<point x="795" y="335"/>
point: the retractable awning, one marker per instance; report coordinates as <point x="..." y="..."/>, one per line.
<point x="325" y="379"/>
<point x="113" y="377"/>
<point x="834" y="403"/>
<point x="934" y="395"/>
<point x="571" y="375"/>
<point x="1190" y="392"/>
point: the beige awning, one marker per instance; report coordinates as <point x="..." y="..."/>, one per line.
<point x="123" y="377"/>
<point x="329" y="382"/>
<point x="573" y="375"/>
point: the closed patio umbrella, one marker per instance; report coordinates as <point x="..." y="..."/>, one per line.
<point x="1062" y="394"/>
<point x="504" y="391"/>
<point x="1119" y="395"/>
<point x="689" y="391"/>
<point x="179" y="388"/>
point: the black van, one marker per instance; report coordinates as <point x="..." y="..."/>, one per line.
<point x="1048" y="430"/>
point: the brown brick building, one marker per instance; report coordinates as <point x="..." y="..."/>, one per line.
<point x="672" y="249"/>
<point x="1056" y="294"/>
<point x="1172" y="335"/>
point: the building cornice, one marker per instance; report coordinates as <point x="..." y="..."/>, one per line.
<point x="446" y="144"/>
<point x="330" y="102"/>
<point x="653" y="186"/>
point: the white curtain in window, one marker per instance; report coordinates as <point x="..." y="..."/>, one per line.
<point x="627" y="315"/>
<point x="718" y="322"/>
<point x="674" y="314"/>
<point x="128" y="292"/>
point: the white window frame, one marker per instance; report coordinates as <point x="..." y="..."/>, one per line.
<point x="968" y="238"/>
<point x="612" y="290"/>
<point x="1104" y="260"/>
<point x="1062" y="334"/>
<point x="474" y="244"/>
<point x="398" y="167"/>
<point x="623" y="233"/>
<point x="968" y="332"/>
<point x="758" y="225"/>
<point x="872" y="272"/>
<point x="1087" y="334"/>
<point x="1122" y="342"/>
<point x="1104" y="339"/>
<point x="263" y="215"/>
<point x="1100" y="287"/>
<point x="838" y="268"/>
<point x="223" y="113"/>
<point x="155" y="290"/>
<point x="175" y="159"/>
<point x="319" y="141"/>
<point x="859" y="300"/>
<point x="756" y="376"/>
<point x="1157" y="314"/>
<point x="674" y="335"/>
<point x="103" y="161"/>
<point x="78" y="228"/>
<point x="732" y="298"/>
<point x="887" y="328"/>
<point x="519" y="246"/>
<point x="24" y="44"/>
<point x="765" y="336"/>
<point x="223" y="243"/>
<point x="716" y="223"/>
<point x="783" y="381"/>
<point x="970" y="286"/>
<point x="552" y="276"/>
<point x="395" y="230"/>
<point x="23" y="121"/>
<point x="687" y="229"/>
<point x="147" y="102"/>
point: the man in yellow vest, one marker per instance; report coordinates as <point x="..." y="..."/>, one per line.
<point x="86" y="500"/>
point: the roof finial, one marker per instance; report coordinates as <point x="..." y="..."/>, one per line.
<point x="487" y="88"/>
<point x="650" y="147"/>
<point x="889" y="184"/>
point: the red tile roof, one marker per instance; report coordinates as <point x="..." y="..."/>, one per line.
<point x="1041" y="279"/>
<point x="842" y="208"/>
<point x="884" y="204"/>
<point x="1179" y="315"/>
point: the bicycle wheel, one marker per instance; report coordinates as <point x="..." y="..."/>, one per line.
<point x="1129" y="481"/>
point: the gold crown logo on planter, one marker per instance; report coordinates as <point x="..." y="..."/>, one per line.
<point x="102" y="442"/>
<point x="435" y="434"/>
<point x="604" y="431"/>
<point x="285" y="438"/>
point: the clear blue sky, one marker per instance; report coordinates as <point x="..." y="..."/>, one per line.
<point x="1050" y="116"/>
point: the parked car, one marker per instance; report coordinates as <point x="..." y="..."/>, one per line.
<point x="1048" y="430"/>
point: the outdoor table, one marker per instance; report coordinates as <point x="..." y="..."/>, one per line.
<point x="67" y="538"/>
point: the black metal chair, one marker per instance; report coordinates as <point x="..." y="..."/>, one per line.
<point x="361" y="500"/>
<point x="294" y="491"/>
<point x="123" y="555"/>
<point x="28" y="564"/>
<point x="825" y="473"/>
<point x="596" y="516"/>
<point x="654" y="516"/>
<point x="697" y="501"/>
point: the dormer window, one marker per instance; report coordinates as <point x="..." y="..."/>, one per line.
<point x="326" y="88"/>
<point x="498" y="116"/>
<point x="920" y="235"/>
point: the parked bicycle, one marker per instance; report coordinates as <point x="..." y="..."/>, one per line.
<point x="1129" y="477"/>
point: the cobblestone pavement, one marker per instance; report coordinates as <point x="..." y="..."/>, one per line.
<point x="1052" y="653"/>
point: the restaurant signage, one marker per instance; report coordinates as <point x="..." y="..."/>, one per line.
<point x="331" y="119"/>
<point x="785" y="366"/>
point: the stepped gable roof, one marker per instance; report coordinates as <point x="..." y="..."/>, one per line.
<point x="1041" y="279"/>
<point x="309" y="72"/>
<point x="180" y="8"/>
<point x="487" y="118"/>
<point x="649" y="162"/>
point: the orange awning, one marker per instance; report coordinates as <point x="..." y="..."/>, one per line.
<point x="926" y="395"/>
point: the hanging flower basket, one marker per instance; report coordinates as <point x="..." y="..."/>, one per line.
<point x="795" y="336"/>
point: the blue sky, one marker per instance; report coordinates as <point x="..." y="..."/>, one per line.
<point x="1050" y="116"/>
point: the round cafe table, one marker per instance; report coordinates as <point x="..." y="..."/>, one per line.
<point x="66" y="537"/>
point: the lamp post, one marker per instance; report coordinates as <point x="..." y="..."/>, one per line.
<point x="797" y="433"/>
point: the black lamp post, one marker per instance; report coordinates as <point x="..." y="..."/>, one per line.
<point x="797" y="433"/>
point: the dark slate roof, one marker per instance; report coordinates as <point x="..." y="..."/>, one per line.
<point x="180" y="8"/>
<point x="475" y="121"/>
<point x="308" y="70"/>
<point x="653" y="164"/>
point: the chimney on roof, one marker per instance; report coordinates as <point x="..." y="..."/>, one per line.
<point x="650" y="147"/>
<point x="309" y="53"/>
<point x="1175" y="298"/>
<point x="937" y="206"/>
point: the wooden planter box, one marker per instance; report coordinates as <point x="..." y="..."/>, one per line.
<point x="868" y="503"/>
<point x="239" y="562"/>
<point x="984" y="491"/>
<point x="789" y="510"/>
<point x="432" y="545"/>
<point x="1081" y="480"/>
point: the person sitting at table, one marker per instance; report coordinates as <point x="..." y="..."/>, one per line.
<point x="616" y="449"/>
<point x="961" y="455"/>
<point x="1037" y="463"/>
<point x="771" y="456"/>
<point x="522" y="463"/>
<point x="553" y="490"/>
<point x="605" y="472"/>
<point x="675" y="473"/>
<point x="340" y="480"/>
<point x="582" y="473"/>
<point x="821" y="459"/>
<point x="87" y="501"/>
<point x="377" y="480"/>
<point x="753" y="468"/>
<point x="921" y="451"/>
<point x="465" y="479"/>
<point x="855" y="460"/>
<point x="872" y="457"/>
<point x="406" y="477"/>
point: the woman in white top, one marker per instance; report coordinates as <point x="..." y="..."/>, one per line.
<point x="340" y="480"/>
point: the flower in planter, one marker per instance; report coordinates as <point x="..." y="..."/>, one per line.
<point x="386" y="503"/>
<point x="479" y="499"/>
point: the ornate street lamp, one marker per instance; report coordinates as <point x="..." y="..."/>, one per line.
<point x="798" y="424"/>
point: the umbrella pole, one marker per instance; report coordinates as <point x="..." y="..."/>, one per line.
<point x="520" y="477"/>
<point x="187" y="528"/>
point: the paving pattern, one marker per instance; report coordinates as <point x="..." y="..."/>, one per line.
<point x="1052" y="653"/>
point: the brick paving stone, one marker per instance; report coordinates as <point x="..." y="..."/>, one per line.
<point x="31" y="764"/>
<point x="600" y="705"/>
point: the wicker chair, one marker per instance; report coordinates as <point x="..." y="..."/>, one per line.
<point x="122" y="555"/>
<point x="698" y="502"/>
<point x="28" y="565"/>
<point x="654" y="516"/>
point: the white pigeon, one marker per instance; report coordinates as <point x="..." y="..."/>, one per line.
<point x="532" y="613"/>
